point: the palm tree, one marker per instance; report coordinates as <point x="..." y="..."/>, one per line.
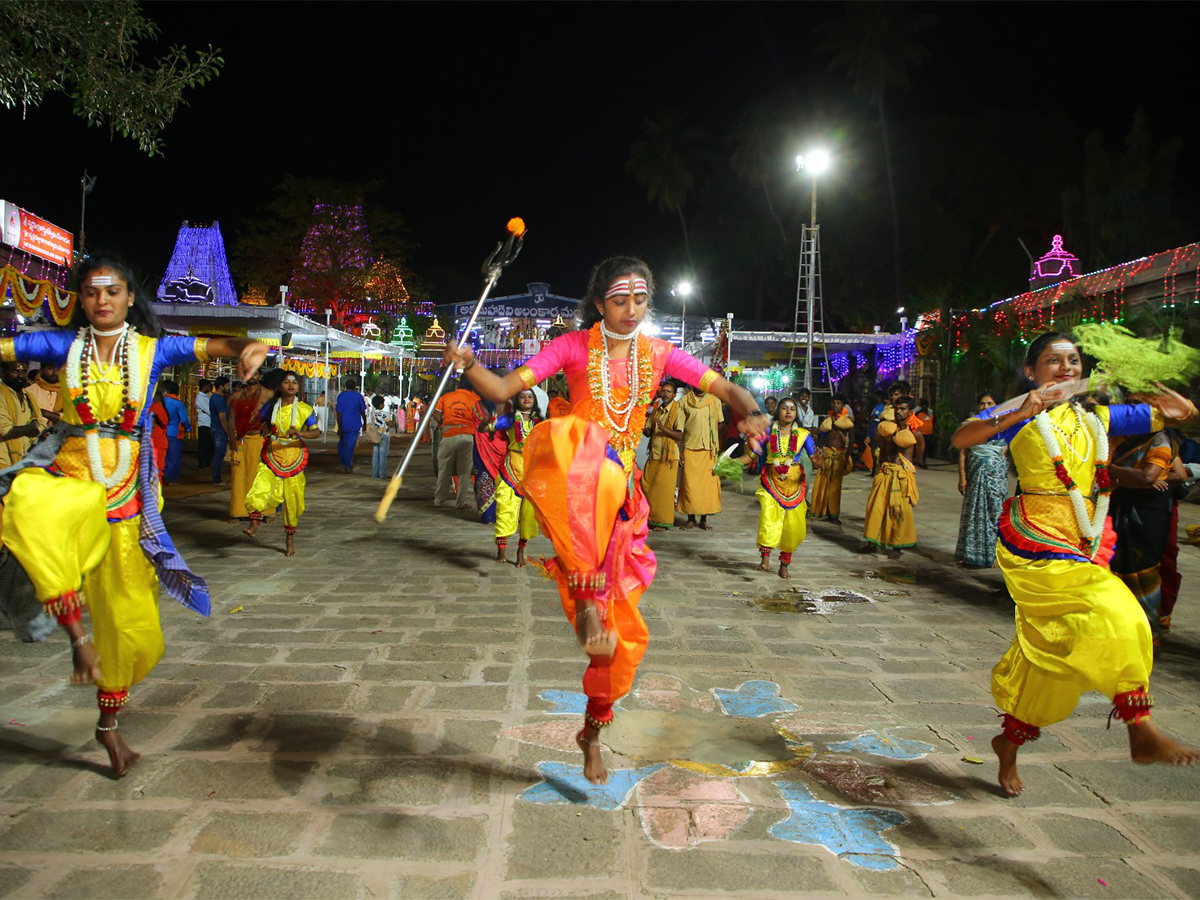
<point x="667" y="162"/>
<point x="875" y="43"/>
<point x="756" y="142"/>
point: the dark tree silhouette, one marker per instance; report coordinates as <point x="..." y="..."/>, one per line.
<point x="668" y="163"/>
<point x="876" y="44"/>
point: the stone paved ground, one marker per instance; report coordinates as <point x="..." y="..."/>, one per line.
<point x="381" y="716"/>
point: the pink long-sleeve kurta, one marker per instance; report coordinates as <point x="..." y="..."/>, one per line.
<point x="596" y="515"/>
<point x="569" y="353"/>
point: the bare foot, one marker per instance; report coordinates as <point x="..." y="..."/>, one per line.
<point x="520" y="557"/>
<point x="688" y="525"/>
<point x="783" y="571"/>
<point x="893" y="554"/>
<point x="268" y="519"/>
<point x="657" y="528"/>
<point x="595" y="640"/>
<point x="765" y="565"/>
<point x="501" y="555"/>
<point x="232" y="520"/>
<point x="1006" y="751"/>
<point x="252" y="531"/>
<point x="1149" y="744"/>
<point x="87" y="663"/>
<point x="119" y="755"/>
<point x="291" y="546"/>
<point x="704" y="526"/>
<point x="588" y="740"/>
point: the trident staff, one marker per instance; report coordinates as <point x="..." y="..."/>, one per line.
<point x="506" y="251"/>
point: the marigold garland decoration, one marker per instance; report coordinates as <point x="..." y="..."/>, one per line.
<point x="29" y="294"/>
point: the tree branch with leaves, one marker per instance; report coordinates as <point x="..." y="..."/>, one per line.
<point x="89" y="51"/>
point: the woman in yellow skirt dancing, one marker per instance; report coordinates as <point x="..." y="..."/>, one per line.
<point x="781" y="499"/>
<point x="1078" y="626"/>
<point x="95" y="475"/>
<point x="280" y="476"/>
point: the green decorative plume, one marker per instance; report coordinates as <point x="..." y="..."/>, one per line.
<point x="1138" y="364"/>
<point x="730" y="469"/>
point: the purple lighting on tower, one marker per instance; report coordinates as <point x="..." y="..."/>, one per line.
<point x="200" y="257"/>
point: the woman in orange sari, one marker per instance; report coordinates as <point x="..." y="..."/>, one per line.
<point x="581" y="477"/>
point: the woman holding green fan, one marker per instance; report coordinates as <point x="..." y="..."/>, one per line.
<point x="1078" y="627"/>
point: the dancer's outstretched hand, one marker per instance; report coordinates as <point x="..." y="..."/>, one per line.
<point x="1171" y="404"/>
<point x="755" y="426"/>
<point x="252" y="357"/>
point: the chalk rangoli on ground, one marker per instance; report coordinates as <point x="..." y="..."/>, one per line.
<point x="683" y="801"/>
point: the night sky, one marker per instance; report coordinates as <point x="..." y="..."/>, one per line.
<point x="472" y="113"/>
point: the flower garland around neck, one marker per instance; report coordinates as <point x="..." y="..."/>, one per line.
<point x="778" y="458"/>
<point x="522" y="424"/>
<point x="1092" y="528"/>
<point x="277" y="422"/>
<point x="623" y="420"/>
<point x="78" y="380"/>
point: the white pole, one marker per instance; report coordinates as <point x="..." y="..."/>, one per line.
<point x="328" y="398"/>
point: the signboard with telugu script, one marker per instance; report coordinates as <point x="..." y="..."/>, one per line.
<point x="25" y="231"/>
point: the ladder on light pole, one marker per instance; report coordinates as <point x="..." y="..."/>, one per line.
<point x="808" y="331"/>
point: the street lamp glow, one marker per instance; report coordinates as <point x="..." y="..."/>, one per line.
<point x="684" y="289"/>
<point x="816" y="162"/>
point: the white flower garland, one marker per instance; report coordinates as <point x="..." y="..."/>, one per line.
<point x="1091" y="528"/>
<point x="280" y="431"/>
<point x="612" y="410"/>
<point x="133" y="390"/>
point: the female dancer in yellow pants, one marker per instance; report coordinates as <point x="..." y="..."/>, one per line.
<point x="1078" y="626"/>
<point x="280" y="475"/>
<point x="96" y="474"/>
<point x="514" y="514"/>
<point x="781" y="499"/>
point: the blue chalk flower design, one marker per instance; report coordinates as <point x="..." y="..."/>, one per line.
<point x="683" y="802"/>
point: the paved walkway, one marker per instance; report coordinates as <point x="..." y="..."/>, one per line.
<point x="389" y="714"/>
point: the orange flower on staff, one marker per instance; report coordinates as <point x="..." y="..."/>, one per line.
<point x="517" y="227"/>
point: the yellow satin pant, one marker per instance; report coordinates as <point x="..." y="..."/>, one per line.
<point x="1078" y="629"/>
<point x="269" y="490"/>
<point x="513" y="513"/>
<point x="779" y="528"/>
<point x="82" y="551"/>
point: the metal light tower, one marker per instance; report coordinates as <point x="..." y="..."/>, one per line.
<point x="808" y="299"/>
